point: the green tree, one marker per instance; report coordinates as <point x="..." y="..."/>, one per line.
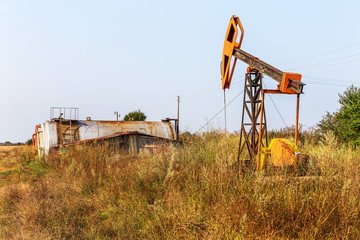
<point x="345" y="122"/>
<point x="348" y="116"/>
<point x="29" y="142"/>
<point x="135" y="116"/>
<point x="328" y="123"/>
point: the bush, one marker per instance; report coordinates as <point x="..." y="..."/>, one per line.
<point x="310" y="134"/>
<point x="135" y="116"/>
<point x="29" y="142"/>
<point x="345" y="122"/>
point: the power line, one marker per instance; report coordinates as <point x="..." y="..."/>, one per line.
<point x="220" y="111"/>
<point x="327" y="84"/>
<point x="320" y="63"/>
<point x="321" y="54"/>
<point x="329" y="80"/>
<point x="277" y="109"/>
<point x="206" y="92"/>
<point x="336" y="64"/>
<point x="339" y="70"/>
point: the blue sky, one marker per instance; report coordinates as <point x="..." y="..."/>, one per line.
<point x="106" y="56"/>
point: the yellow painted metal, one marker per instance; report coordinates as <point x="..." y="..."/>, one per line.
<point x="258" y="162"/>
<point x="281" y="152"/>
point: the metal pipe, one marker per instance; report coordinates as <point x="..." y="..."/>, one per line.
<point x="260" y="131"/>
<point x="297" y="119"/>
<point x="225" y="110"/>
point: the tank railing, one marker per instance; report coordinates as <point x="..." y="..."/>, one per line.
<point x="64" y="113"/>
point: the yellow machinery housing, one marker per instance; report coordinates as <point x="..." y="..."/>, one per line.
<point x="281" y="152"/>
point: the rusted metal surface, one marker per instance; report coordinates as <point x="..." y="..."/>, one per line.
<point x="131" y="142"/>
<point x="61" y="131"/>
<point x="295" y="85"/>
<point x="94" y="129"/>
<point x="176" y="123"/>
<point x="97" y="139"/>
<point x="250" y="126"/>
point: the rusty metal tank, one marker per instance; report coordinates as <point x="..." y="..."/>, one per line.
<point x="93" y="129"/>
<point x="53" y="133"/>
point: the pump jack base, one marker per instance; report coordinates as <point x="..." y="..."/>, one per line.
<point x="301" y="168"/>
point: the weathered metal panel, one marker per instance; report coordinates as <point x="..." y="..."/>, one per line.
<point x="49" y="137"/>
<point x="95" y="129"/>
<point x="131" y="142"/>
<point x="55" y="133"/>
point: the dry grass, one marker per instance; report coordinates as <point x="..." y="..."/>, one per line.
<point x="8" y="148"/>
<point x="189" y="193"/>
<point x="10" y="161"/>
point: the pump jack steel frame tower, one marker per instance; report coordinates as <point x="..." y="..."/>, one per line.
<point x="289" y="83"/>
<point x="250" y="121"/>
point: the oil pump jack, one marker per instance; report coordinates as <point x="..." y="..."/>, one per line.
<point x="253" y="123"/>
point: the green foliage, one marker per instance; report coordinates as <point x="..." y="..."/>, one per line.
<point x="304" y="134"/>
<point x="349" y="116"/>
<point x="345" y="123"/>
<point x="29" y="142"/>
<point x="329" y="123"/>
<point x="135" y="116"/>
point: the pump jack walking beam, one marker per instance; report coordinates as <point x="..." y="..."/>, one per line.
<point x="287" y="81"/>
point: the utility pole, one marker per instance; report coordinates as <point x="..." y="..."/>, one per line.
<point x="178" y="111"/>
<point x="117" y="115"/>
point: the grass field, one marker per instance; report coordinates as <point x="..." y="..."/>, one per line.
<point x="190" y="192"/>
<point x="9" y="161"/>
<point x="8" y="148"/>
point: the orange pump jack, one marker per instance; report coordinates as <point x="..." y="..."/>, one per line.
<point x="252" y="131"/>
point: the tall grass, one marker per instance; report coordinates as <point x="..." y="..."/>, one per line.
<point x="189" y="192"/>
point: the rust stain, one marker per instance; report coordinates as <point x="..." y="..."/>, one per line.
<point x="64" y="132"/>
<point x="97" y="139"/>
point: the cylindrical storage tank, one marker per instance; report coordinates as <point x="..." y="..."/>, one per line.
<point x="94" y="129"/>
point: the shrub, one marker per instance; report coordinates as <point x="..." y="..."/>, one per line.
<point x="135" y="116"/>
<point x="345" y="122"/>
